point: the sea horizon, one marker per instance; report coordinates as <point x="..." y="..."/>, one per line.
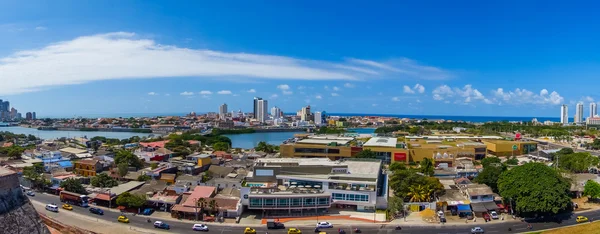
<point x="466" y="118"/>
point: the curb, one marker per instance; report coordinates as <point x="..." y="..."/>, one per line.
<point x="551" y="229"/>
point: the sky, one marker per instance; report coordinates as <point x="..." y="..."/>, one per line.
<point x="467" y="58"/>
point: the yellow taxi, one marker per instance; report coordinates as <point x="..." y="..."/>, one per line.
<point x="249" y="231"/>
<point x="123" y="219"/>
<point x="67" y="207"/>
<point x="294" y="231"/>
<point x="581" y="219"/>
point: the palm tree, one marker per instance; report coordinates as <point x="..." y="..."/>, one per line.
<point x="201" y="203"/>
<point x="214" y="206"/>
<point x="418" y="193"/>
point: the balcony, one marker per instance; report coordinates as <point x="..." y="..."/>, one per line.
<point x="352" y="187"/>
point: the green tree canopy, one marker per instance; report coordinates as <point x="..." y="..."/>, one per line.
<point x="267" y="148"/>
<point x="130" y="200"/>
<point x="489" y="176"/>
<point x="512" y="161"/>
<point x="403" y="179"/>
<point x="124" y="156"/>
<point x="123" y="169"/>
<point x="487" y="161"/>
<point x="367" y="153"/>
<point x="535" y="188"/>
<point x="592" y="189"/>
<point x="102" y="180"/>
<point x="577" y="162"/>
<point x="73" y="185"/>
<point x="221" y="146"/>
<point x="426" y="167"/>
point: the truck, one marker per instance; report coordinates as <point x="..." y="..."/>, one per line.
<point x="272" y="224"/>
<point x="74" y="198"/>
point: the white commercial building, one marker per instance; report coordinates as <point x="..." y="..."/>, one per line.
<point x="223" y="111"/>
<point x="593" y="121"/>
<point x="564" y="114"/>
<point x="593" y="109"/>
<point x="275" y="112"/>
<point x="262" y="110"/>
<point x="318" y="118"/>
<point x="579" y="113"/>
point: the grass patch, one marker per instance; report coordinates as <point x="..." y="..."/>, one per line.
<point x="579" y="228"/>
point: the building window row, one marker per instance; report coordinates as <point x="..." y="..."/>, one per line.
<point x="350" y="197"/>
<point x="317" y="151"/>
<point x="289" y="202"/>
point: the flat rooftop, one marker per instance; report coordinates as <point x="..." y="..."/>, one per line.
<point x="433" y="137"/>
<point x="355" y="169"/>
<point x="322" y="141"/>
<point x="382" y="141"/>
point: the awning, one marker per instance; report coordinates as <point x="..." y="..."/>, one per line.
<point x="478" y="207"/>
<point x="463" y="208"/>
<point x="490" y="205"/>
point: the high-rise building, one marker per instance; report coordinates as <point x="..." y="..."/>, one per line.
<point x="579" y="113"/>
<point x="564" y="114"/>
<point x="593" y="109"/>
<point x="305" y="113"/>
<point x="255" y="110"/>
<point x="13" y="113"/>
<point x="318" y="119"/>
<point x="33" y="115"/>
<point x="276" y="112"/>
<point x="6" y="106"/>
<point x="223" y="111"/>
<point x="262" y="110"/>
<point x="28" y="116"/>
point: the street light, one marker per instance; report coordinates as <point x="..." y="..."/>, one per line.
<point x="109" y="199"/>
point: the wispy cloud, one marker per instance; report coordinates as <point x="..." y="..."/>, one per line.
<point x="224" y="92"/>
<point x="251" y="91"/>
<point x="406" y="67"/>
<point x="285" y="89"/>
<point x="123" y="55"/>
<point x="395" y="99"/>
<point x="205" y="92"/>
<point x="152" y="93"/>
<point x="349" y="85"/>
<point x="335" y="88"/>
<point x="418" y="88"/>
<point x="186" y="93"/>
<point x="318" y="97"/>
<point x="334" y="94"/>
<point x="40" y="28"/>
<point x="273" y="96"/>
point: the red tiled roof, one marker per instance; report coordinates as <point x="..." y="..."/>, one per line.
<point x="87" y="161"/>
<point x="156" y="144"/>
<point x="7" y="144"/>
<point x="199" y="192"/>
<point x="220" y="153"/>
<point x="103" y="196"/>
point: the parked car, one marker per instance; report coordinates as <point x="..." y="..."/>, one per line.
<point x="274" y="225"/>
<point x="30" y="193"/>
<point x="494" y="215"/>
<point x="147" y="211"/>
<point x="52" y="207"/>
<point x="123" y="219"/>
<point x="161" y="225"/>
<point x="486" y="217"/>
<point x="200" y="227"/>
<point x="249" y="230"/>
<point x="67" y="207"/>
<point x="324" y="225"/>
<point x="441" y="214"/>
<point x="581" y="219"/>
<point x="294" y="231"/>
<point x="477" y="230"/>
<point x="96" y="211"/>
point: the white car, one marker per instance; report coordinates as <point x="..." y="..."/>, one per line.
<point x="494" y="215"/>
<point x="440" y="214"/>
<point x="324" y="225"/>
<point x="477" y="230"/>
<point x="200" y="227"/>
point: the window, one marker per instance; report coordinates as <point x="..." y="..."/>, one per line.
<point x="269" y="202"/>
<point x="350" y="197"/>
<point x="323" y="201"/>
<point x="338" y="196"/>
<point x="296" y="201"/>
<point x="255" y="202"/>
<point x="309" y="201"/>
<point x="283" y="202"/>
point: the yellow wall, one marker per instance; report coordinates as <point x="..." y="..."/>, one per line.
<point x="390" y="150"/>
<point x="505" y="148"/>
<point x="288" y="150"/>
<point x="204" y="161"/>
<point x="85" y="169"/>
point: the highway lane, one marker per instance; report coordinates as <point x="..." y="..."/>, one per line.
<point x="183" y="227"/>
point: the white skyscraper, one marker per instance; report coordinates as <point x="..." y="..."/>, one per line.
<point x="262" y="110"/>
<point x="564" y="114"/>
<point x="579" y="113"/>
<point x="593" y="109"/>
<point x="305" y="113"/>
<point x="276" y="112"/>
<point x="318" y="119"/>
<point x="223" y="111"/>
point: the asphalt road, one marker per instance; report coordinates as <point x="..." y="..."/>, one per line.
<point x="181" y="227"/>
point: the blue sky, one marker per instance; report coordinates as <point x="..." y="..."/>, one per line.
<point x="508" y="58"/>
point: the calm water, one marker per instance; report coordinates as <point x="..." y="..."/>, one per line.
<point x="250" y="140"/>
<point x="59" y="134"/>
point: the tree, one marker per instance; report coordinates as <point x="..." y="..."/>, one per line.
<point x="153" y="165"/>
<point x="201" y="202"/>
<point x="395" y="205"/>
<point x="487" y="161"/>
<point x="214" y="206"/>
<point x="367" y="153"/>
<point x="263" y="146"/>
<point x="592" y="189"/>
<point x="577" y="162"/>
<point x="131" y="200"/>
<point x="124" y="156"/>
<point x="536" y="189"/>
<point x="144" y="178"/>
<point x="397" y="166"/>
<point x="426" y="167"/>
<point x="512" y="161"/>
<point x="489" y="176"/>
<point x="102" y="180"/>
<point x="34" y="174"/>
<point x="220" y="146"/>
<point x="419" y="193"/>
<point x="73" y="185"/>
<point x="123" y="169"/>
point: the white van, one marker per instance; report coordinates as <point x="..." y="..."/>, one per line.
<point x="52" y="207"/>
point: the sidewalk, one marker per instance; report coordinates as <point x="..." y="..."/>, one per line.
<point x="91" y="224"/>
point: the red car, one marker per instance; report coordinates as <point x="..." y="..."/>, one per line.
<point x="486" y="217"/>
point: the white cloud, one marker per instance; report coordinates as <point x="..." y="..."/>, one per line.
<point x="224" y="92"/>
<point x="335" y="88"/>
<point x="287" y="92"/>
<point x="318" y="97"/>
<point x="374" y="104"/>
<point x="405" y="67"/>
<point x="235" y="95"/>
<point x="152" y="93"/>
<point x="464" y="95"/>
<point x="301" y="87"/>
<point x="205" y="92"/>
<point x="418" y="88"/>
<point x="408" y="89"/>
<point x="285" y="89"/>
<point x="335" y="94"/>
<point x="588" y="99"/>
<point x="274" y="96"/>
<point x="349" y="85"/>
<point x="186" y="93"/>
<point x="395" y="99"/>
<point x="251" y="91"/>
<point x="524" y="96"/>
<point x="40" y="28"/>
<point x="166" y="94"/>
<point x="326" y="87"/>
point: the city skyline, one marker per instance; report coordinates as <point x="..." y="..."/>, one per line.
<point x="295" y="57"/>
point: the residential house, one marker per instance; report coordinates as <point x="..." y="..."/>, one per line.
<point x="189" y="208"/>
<point x="192" y="180"/>
<point x="232" y="180"/>
<point x="88" y="167"/>
<point x="74" y="153"/>
<point x="219" y="171"/>
<point x="222" y="154"/>
<point x="481" y="198"/>
<point x="168" y="177"/>
<point x="203" y="160"/>
<point x="164" y="200"/>
<point x="186" y="166"/>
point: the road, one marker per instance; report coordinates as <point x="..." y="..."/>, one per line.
<point x="182" y="227"/>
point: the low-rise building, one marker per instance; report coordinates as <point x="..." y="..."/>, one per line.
<point x="509" y="148"/>
<point x="88" y="167"/>
<point x="331" y="147"/>
<point x="387" y="148"/>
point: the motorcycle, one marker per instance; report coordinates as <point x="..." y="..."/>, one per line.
<point x="356" y="230"/>
<point x="398" y="228"/>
